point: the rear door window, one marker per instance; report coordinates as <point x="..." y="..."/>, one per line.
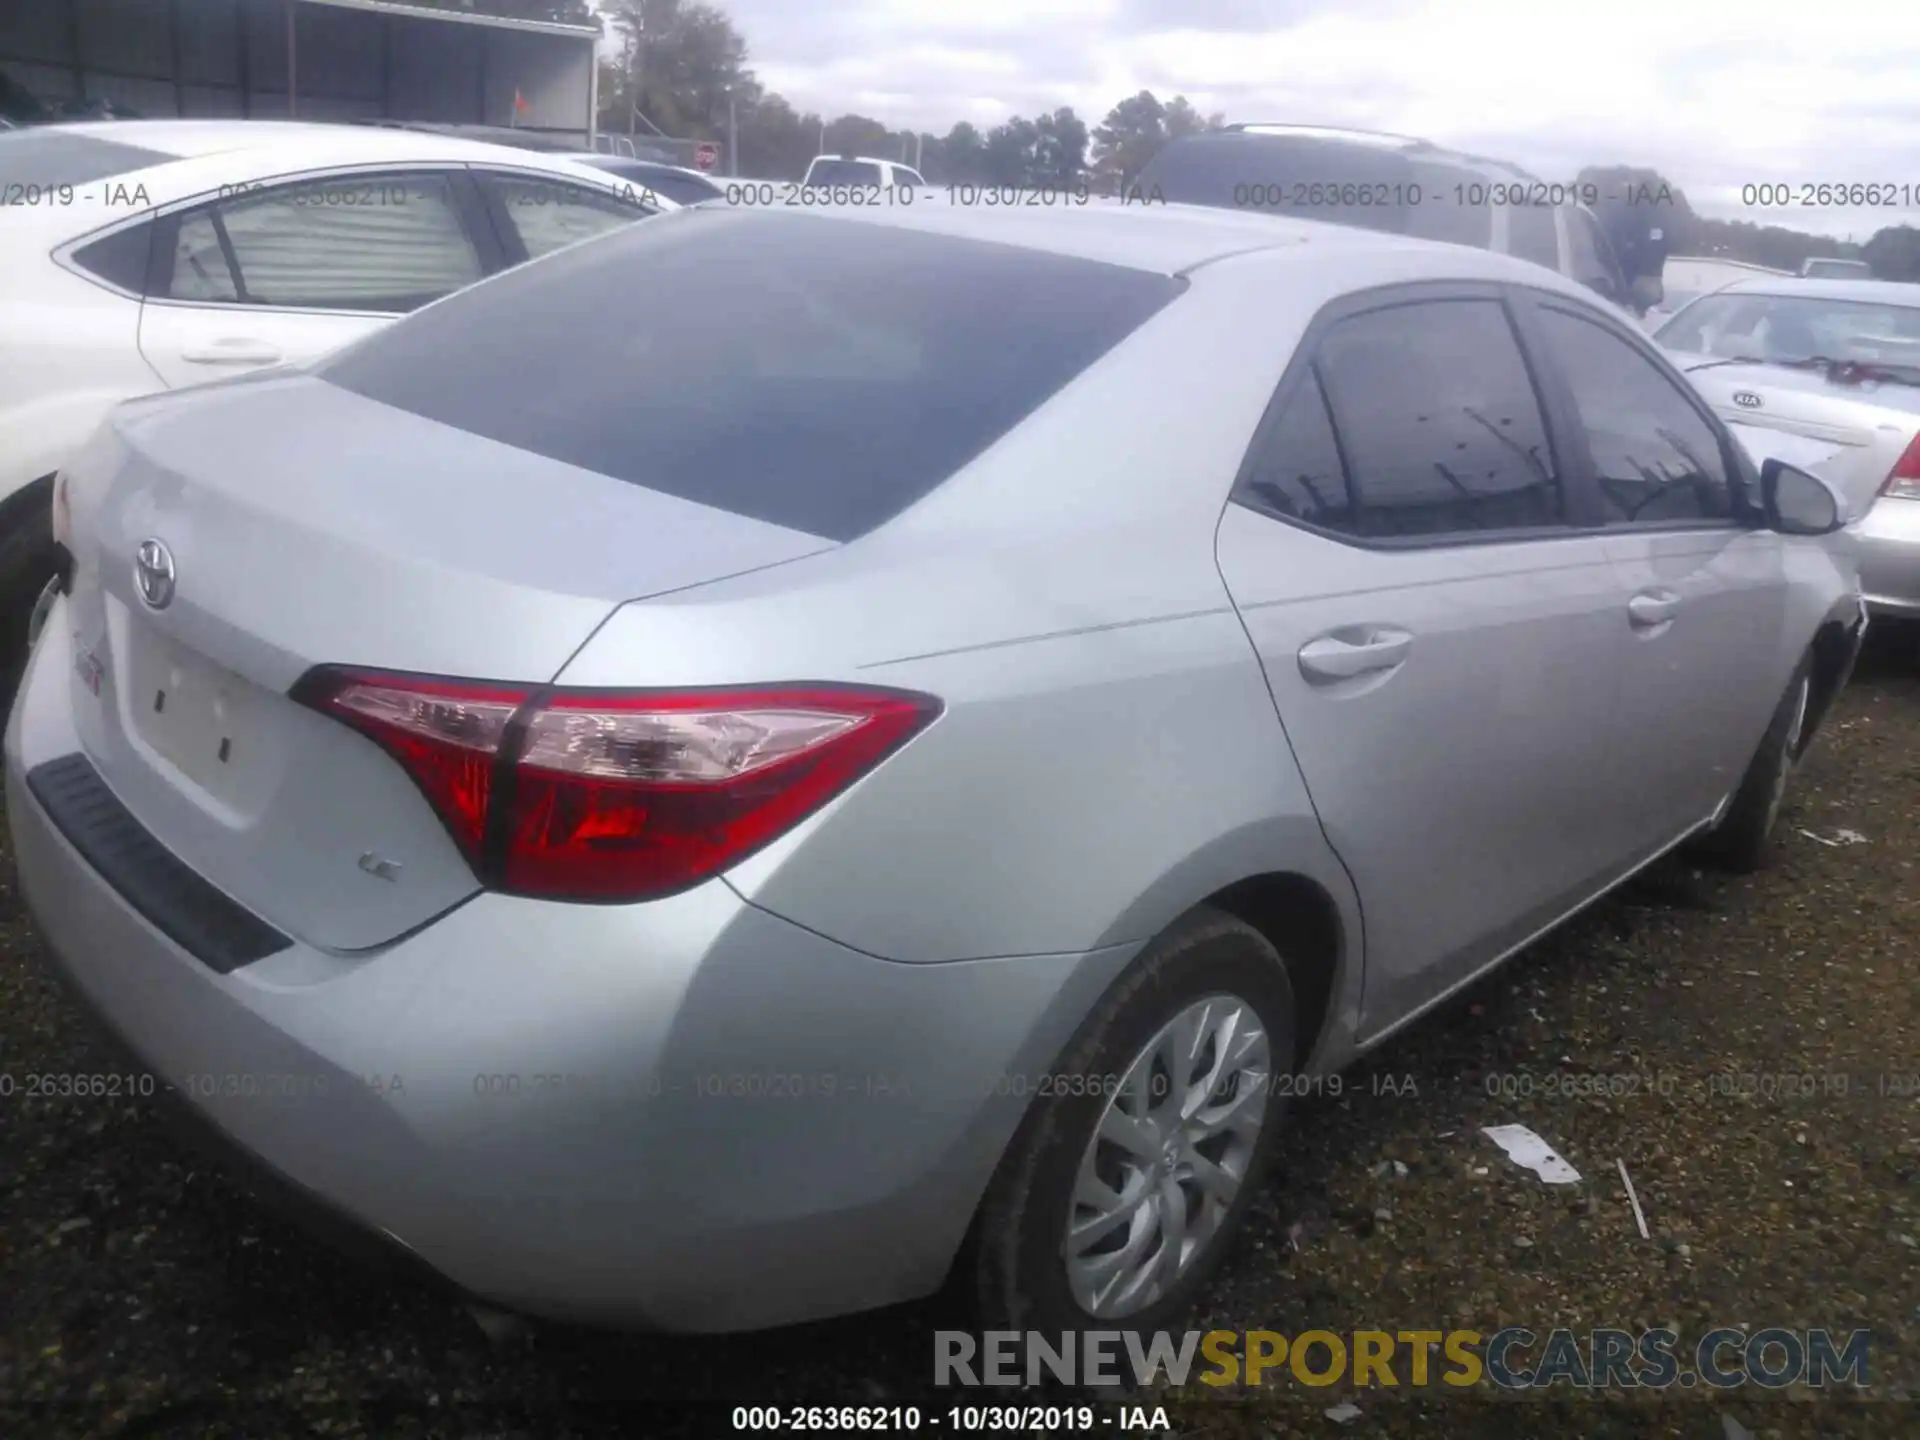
<point x="373" y="243"/>
<point x="844" y="370"/>
<point x="1450" y="205"/>
<point x="843" y="172"/>
<point x="1590" y="259"/>
<point x="1532" y="234"/>
<point x="542" y="215"/>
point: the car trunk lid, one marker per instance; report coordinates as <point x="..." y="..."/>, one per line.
<point x="1866" y="426"/>
<point x="305" y="525"/>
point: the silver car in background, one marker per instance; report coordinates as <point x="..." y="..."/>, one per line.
<point x="716" y="824"/>
<point x="1836" y="361"/>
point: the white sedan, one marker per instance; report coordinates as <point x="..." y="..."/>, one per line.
<point x="137" y="256"/>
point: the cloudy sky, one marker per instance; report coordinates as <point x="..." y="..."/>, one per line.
<point x="1716" y="94"/>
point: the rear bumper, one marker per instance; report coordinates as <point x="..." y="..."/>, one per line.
<point x="688" y="1115"/>
<point x="1889" y="549"/>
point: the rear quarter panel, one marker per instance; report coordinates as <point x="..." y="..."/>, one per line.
<point x="1109" y="753"/>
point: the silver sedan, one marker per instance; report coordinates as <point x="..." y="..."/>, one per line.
<point x="684" y="782"/>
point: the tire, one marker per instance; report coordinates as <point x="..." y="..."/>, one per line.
<point x="1021" y="1264"/>
<point x="28" y="560"/>
<point x="1740" y="841"/>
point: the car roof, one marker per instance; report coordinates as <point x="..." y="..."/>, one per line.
<point x="1353" y="142"/>
<point x="1877" y="292"/>
<point x="610" y="162"/>
<point x="346" y="143"/>
<point x="1173" y="239"/>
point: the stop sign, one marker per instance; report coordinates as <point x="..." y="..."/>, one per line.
<point x="706" y="155"/>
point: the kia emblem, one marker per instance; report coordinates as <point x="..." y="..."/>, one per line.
<point x="1747" y="400"/>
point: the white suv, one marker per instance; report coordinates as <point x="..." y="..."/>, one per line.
<point x="1395" y="183"/>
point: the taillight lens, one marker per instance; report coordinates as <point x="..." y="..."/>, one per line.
<point x="619" y="795"/>
<point x="1904" y="482"/>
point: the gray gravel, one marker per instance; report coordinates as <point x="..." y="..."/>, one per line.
<point x="140" y="1295"/>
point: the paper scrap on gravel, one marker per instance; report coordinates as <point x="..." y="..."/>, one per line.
<point x="1525" y="1148"/>
<point x="1840" y="837"/>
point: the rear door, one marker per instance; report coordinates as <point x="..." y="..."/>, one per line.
<point x="1705" y="613"/>
<point x="285" y="271"/>
<point x="1441" y="635"/>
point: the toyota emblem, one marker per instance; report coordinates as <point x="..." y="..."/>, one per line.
<point x="1747" y="400"/>
<point x="153" y="573"/>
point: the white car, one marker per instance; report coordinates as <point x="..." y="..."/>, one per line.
<point x="861" y="172"/>
<point x="137" y="256"/>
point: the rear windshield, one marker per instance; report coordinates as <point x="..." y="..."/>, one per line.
<point x="813" y="372"/>
<point x="843" y="172"/>
<point x="682" y="189"/>
<point x="41" y="157"/>
<point x="1735" y="324"/>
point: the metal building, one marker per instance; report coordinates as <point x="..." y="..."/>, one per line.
<point x="310" y="59"/>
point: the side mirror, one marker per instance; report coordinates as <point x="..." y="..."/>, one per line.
<point x="1797" y="503"/>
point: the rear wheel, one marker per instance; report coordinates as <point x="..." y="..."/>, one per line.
<point x="1740" y="841"/>
<point x="1128" y="1180"/>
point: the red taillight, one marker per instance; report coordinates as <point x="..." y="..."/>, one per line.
<point x="618" y="795"/>
<point x="1904" y="482"/>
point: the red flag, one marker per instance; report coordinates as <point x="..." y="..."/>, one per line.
<point x="520" y="105"/>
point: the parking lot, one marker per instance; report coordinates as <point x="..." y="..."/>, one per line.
<point x="139" y="1294"/>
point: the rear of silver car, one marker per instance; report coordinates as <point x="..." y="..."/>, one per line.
<point x="611" y="1091"/>
<point x="1759" y="351"/>
<point x="1872" y="444"/>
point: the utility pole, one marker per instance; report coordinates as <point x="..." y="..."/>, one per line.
<point x="733" y="137"/>
<point x="636" y="67"/>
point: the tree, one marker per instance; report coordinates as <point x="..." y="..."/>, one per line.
<point x="1138" y="126"/>
<point x="678" y="62"/>
<point x="1010" y="152"/>
<point x="1060" y="154"/>
<point x="960" y="156"/>
<point x="775" y="142"/>
<point x="1180" y="118"/>
<point x="860" y="135"/>
<point x="1894" y="253"/>
<point x="1131" y="135"/>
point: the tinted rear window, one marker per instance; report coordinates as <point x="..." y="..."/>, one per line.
<point x="812" y="372"/>
<point x="843" y="172"/>
<point x="48" y="157"/>
<point x="661" y="179"/>
<point x="682" y="189"/>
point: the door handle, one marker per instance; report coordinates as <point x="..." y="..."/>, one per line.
<point x="1655" y="607"/>
<point x="234" y="351"/>
<point x="1363" y="652"/>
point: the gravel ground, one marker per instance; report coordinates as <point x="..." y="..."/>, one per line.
<point x="140" y="1295"/>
